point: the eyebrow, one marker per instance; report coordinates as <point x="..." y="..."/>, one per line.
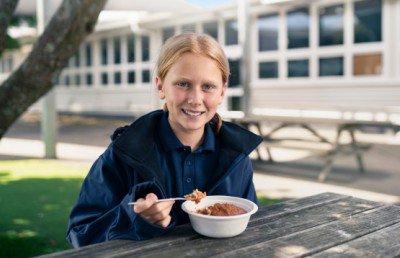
<point x="179" y="77"/>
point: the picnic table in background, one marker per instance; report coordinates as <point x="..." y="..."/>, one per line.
<point x="323" y="225"/>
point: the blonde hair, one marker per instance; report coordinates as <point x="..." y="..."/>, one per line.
<point x="195" y="43"/>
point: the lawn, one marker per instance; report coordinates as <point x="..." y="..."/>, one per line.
<point x="36" y="197"/>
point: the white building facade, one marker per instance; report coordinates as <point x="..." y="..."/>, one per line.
<point x="314" y="55"/>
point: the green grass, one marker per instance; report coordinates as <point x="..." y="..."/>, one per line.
<point x="36" y="197"/>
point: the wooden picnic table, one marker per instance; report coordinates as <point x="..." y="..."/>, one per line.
<point x="323" y="225"/>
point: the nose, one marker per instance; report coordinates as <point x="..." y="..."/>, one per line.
<point x="195" y="96"/>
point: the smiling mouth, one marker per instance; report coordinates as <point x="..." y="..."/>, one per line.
<point x="192" y="113"/>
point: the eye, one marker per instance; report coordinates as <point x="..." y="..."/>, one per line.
<point x="183" y="84"/>
<point x="208" y="87"/>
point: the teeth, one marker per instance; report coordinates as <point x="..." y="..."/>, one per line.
<point x="191" y="113"/>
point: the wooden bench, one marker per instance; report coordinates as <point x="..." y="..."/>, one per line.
<point x="327" y="149"/>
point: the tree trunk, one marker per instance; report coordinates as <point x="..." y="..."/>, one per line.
<point x="7" y="8"/>
<point x="69" y="26"/>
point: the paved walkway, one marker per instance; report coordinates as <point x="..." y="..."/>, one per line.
<point x="294" y="176"/>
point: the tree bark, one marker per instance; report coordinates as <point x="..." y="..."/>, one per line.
<point x="67" y="29"/>
<point x="7" y="8"/>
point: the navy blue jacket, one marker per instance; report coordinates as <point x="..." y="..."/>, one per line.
<point x="129" y="169"/>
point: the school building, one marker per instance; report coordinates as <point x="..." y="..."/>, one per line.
<point x="333" y="55"/>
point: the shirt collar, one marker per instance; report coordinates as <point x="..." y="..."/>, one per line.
<point x="170" y="142"/>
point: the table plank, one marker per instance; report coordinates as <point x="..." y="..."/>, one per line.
<point x="261" y="230"/>
<point x="320" y="238"/>
<point x="382" y="243"/>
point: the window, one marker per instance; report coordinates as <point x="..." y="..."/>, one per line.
<point x="268" y="70"/>
<point x="77" y="80"/>
<point x="131" y="48"/>
<point x="88" y="54"/>
<point x="145" y="48"/>
<point x="66" y="82"/>
<point x="117" y="50"/>
<point x="104" y="79"/>
<point x="235" y="103"/>
<point x="117" y="78"/>
<point x="167" y="33"/>
<point x="145" y="76"/>
<point x="367" y="21"/>
<point x="332" y="66"/>
<point x="298" y="28"/>
<point x="89" y="79"/>
<point x="268" y="32"/>
<point x="77" y="58"/>
<point x="298" y="68"/>
<point x="211" y="28"/>
<point x="331" y="25"/>
<point x="188" y="28"/>
<point x="234" y="78"/>
<point x="370" y="64"/>
<point x="104" y="52"/>
<point x="131" y="77"/>
<point x="231" y="32"/>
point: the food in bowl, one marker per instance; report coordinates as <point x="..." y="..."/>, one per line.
<point x="222" y="209"/>
<point x="219" y="226"/>
<point x="196" y="196"/>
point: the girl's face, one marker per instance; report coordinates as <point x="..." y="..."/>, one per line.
<point x="192" y="90"/>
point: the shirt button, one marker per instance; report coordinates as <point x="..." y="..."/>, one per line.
<point x="188" y="180"/>
<point x="188" y="163"/>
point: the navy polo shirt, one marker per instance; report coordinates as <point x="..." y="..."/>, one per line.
<point x="183" y="169"/>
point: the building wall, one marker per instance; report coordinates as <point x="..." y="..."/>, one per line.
<point x="295" y="61"/>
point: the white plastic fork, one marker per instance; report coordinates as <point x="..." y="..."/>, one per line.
<point x="162" y="200"/>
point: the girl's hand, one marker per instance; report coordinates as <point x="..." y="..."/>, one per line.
<point x="154" y="213"/>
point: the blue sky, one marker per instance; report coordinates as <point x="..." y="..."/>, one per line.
<point x="209" y="3"/>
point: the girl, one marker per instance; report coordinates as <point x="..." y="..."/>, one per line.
<point x="167" y="153"/>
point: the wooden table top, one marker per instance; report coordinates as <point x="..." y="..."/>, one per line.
<point x="323" y="225"/>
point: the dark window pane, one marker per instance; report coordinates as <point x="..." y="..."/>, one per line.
<point x="367" y="21"/>
<point x="146" y="76"/>
<point x="298" y="22"/>
<point x="104" y="52"/>
<point x="268" y="70"/>
<point x="188" y="28"/>
<point x="88" y="54"/>
<point x="234" y="78"/>
<point x="131" y="77"/>
<point x="117" y="50"/>
<point x="298" y="68"/>
<point x="131" y="48"/>
<point x="211" y="28"/>
<point x="268" y="27"/>
<point x="89" y="79"/>
<point x="117" y="78"/>
<point x="67" y="81"/>
<point x="145" y="48"/>
<point x="331" y="25"/>
<point x="235" y="103"/>
<point x="231" y="32"/>
<point x="77" y="58"/>
<point x="77" y="80"/>
<point x="332" y="66"/>
<point x="104" y="79"/>
<point x="167" y="33"/>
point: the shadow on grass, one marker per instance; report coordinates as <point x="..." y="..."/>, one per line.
<point x="34" y="215"/>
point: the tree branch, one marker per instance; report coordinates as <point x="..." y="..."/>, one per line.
<point x="7" y="8"/>
<point x="72" y="22"/>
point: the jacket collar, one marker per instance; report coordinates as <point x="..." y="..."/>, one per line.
<point x="137" y="142"/>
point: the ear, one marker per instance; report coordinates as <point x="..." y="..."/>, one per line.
<point x="160" y="88"/>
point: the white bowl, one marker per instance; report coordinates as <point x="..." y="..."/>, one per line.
<point x="219" y="226"/>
